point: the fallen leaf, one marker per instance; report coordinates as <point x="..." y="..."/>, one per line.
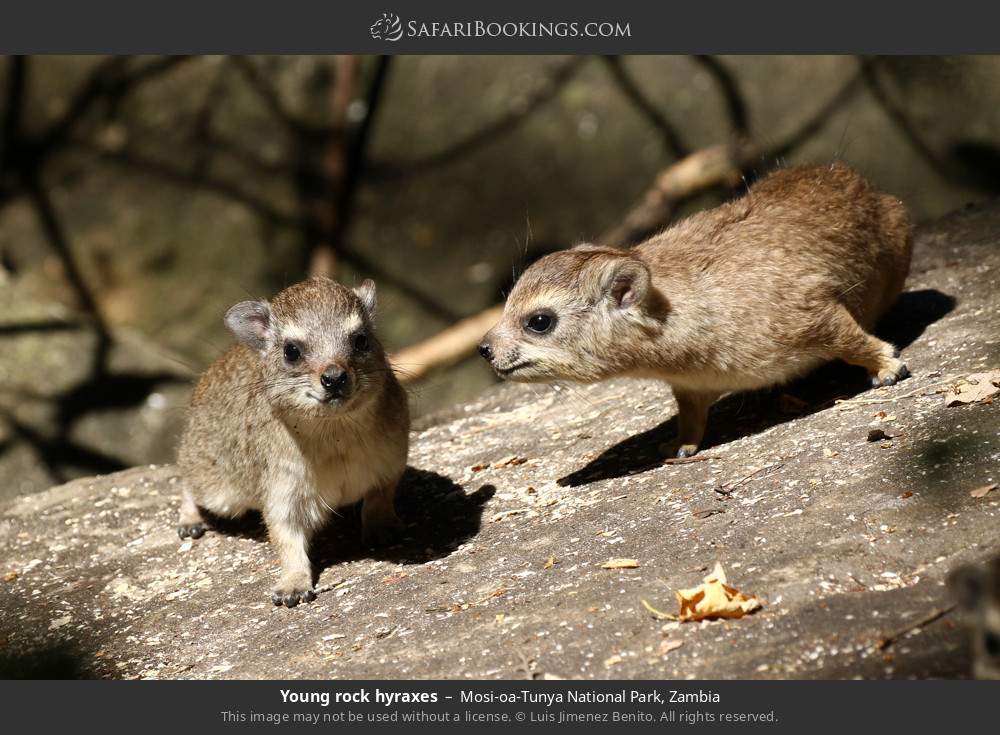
<point x="713" y="599"/>
<point x="982" y="492"/>
<point x="479" y="467"/>
<point x="974" y="389"/>
<point x="10" y="576"/>
<point x="707" y="512"/>
<point x="668" y="645"/>
<point x="511" y="461"/>
<point x="620" y="564"/>
<point x="907" y="494"/>
<point x="550" y="563"/>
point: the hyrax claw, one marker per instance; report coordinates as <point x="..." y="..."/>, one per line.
<point x="895" y="371"/>
<point x="196" y="530"/>
<point x="293" y="598"/>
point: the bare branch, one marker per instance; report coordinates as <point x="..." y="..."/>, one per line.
<point x="505" y="123"/>
<point x="267" y="93"/>
<point x="638" y="98"/>
<point x="726" y="82"/>
<point x="869" y="72"/>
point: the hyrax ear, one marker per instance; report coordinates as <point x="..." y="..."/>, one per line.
<point x="366" y="292"/>
<point x="250" y="321"/>
<point x="626" y="282"/>
<point x="968" y="585"/>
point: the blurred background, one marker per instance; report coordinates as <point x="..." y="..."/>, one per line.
<point x="140" y="197"/>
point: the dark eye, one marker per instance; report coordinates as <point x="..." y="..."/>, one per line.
<point x="292" y="352"/>
<point x="540" y="323"/>
<point x="360" y="342"/>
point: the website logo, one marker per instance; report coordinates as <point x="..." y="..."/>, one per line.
<point x="387" y="28"/>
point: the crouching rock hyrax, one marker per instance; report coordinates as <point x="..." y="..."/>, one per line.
<point x="752" y="293"/>
<point x="302" y="416"/>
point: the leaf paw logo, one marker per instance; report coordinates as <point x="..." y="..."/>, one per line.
<point x="387" y="28"/>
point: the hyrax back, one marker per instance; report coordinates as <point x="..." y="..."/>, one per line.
<point x="302" y="416"/>
<point x="752" y="293"/>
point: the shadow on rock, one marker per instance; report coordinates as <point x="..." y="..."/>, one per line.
<point x="438" y="516"/>
<point x="744" y="414"/>
<point x="60" y="660"/>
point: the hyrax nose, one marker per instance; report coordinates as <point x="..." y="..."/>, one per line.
<point x="335" y="381"/>
<point x="486" y="351"/>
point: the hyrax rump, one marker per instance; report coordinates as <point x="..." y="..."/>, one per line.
<point x="302" y="416"/>
<point x="752" y="293"/>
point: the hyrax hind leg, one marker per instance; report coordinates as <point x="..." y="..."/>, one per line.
<point x="692" y="418"/>
<point x="190" y="524"/>
<point x="379" y="524"/>
<point x="852" y="344"/>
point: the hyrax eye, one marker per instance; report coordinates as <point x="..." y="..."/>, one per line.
<point x="360" y="342"/>
<point x="292" y="352"/>
<point x="540" y="323"/>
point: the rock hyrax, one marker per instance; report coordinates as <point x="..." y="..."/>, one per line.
<point x="752" y="293"/>
<point x="303" y="416"/>
<point x="977" y="589"/>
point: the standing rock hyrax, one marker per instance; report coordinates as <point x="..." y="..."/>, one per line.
<point x="752" y="293"/>
<point x="304" y="415"/>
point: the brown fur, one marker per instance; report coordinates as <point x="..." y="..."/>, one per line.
<point x="976" y="588"/>
<point x="752" y="293"/>
<point x="264" y="434"/>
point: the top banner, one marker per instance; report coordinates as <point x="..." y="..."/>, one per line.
<point x="514" y="26"/>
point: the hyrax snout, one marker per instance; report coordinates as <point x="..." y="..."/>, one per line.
<point x="302" y="416"/>
<point x="753" y="293"/>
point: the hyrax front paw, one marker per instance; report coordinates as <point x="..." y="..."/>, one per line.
<point x="192" y="530"/>
<point x="891" y="373"/>
<point x="385" y="532"/>
<point x="676" y="450"/>
<point x="292" y="591"/>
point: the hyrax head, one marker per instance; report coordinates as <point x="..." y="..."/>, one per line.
<point x="316" y="344"/>
<point x="977" y="589"/>
<point x="575" y="315"/>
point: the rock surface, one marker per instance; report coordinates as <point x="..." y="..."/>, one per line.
<point x="64" y="413"/>
<point x="519" y="498"/>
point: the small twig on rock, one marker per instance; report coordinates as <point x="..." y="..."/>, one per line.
<point x="925" y="620"/>
<point x="728" y="488"/>
<point x="892" y="399"/>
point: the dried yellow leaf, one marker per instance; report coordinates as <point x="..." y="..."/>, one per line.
<point x="975" y="388"/>
<point x="550" y="563"/>
<point x="620" y="564"/>
<point x="714" y="599"/>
